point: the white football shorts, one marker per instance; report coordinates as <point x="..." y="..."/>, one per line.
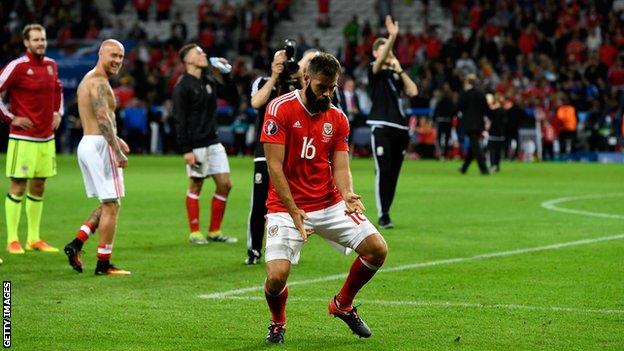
<point x="102" y="178"/>
<point x="210" y="160"/>
<point x="283" y="240"/>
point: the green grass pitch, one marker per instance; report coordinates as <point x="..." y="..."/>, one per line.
<point x="475" y="263"/>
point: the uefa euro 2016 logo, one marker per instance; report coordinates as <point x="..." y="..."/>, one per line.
<point x="270" y="127"/>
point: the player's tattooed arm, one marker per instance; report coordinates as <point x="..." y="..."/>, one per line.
<point x="99" y="101"/>
<point x="100" y="96"/>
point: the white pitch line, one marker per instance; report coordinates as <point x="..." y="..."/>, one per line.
<point x="552" y="205"/>
<point x="451" y="304"/>
<point x="229" y="293"/>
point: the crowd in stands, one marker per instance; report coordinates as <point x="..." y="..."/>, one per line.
<point x="554" y="64"/>
<point x="240" y="32"/>
<point x="559" y="61"/>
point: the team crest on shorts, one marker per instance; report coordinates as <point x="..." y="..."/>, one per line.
<point x="272" y="231"/>
<point x="270" y="127"/>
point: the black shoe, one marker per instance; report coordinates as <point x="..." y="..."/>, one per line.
<point x="353" y="320"/>
<point x="106" y="268"/>
<point x="253" y="257"/>
<point x="73" y="252"/>
<point x="385" y="222"/>
<point x="276" y="333"/>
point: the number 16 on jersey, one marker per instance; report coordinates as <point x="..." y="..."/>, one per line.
<point x="308" y="150"/>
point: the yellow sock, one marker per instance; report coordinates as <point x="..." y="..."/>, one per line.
<point x="12" y="210"/>
<point x="34" y="207"/>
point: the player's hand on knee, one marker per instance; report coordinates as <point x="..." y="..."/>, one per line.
<point x="353" y="203"/>
<point x="22" y="122"/>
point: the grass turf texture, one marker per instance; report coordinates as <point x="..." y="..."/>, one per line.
<point x="438" y="214"/>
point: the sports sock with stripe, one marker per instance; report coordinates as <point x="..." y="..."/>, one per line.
<point x="277" y="304"/>
<point x="104" y="251"/>
<point x="192" y="210"/>
<point x="34" y="207"/>
<point x="362" y="270"/>
<point x="12" y="210"/>
<point x="217" y="209"/>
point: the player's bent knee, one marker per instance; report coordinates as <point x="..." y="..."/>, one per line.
<point x="225" y="187"/>
<point x="276" y="283"/>
<point x="274" y="286"/>
<point x="277" y="274"/>
<point x="379" y="251"/>
<point x="375" y="247"/>
<point x="196" y="185"/>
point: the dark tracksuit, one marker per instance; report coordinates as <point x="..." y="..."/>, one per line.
<point x="496" y="140"/>
<point x="473" y="108"/>
<point x="195" y="109"/>
<point x="389" y="135"/>
<point x="443" y="115"/>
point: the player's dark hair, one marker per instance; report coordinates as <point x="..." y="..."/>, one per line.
<point x="185" y="49"/>
<point x="29" y="27"/>
<point x="325" y="64"/>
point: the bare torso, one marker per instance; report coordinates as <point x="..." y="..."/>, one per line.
<point x="92" y="85"/>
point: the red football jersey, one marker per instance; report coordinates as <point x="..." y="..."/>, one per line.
<point x="309" y="142"/>
<point x="35" y="92"/>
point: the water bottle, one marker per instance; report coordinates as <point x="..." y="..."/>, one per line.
<point x="221" y="66"/>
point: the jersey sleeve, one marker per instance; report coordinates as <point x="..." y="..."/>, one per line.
<point x="58" y="94"/>
<point x="8" y="76"/>
<point x="273" y="128"/>
<point x="341" y="141"/>
<point x="181" y="116"/>
<point x="257" y="85"/>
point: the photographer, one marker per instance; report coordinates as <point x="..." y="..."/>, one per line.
<point x="286" y="76"/>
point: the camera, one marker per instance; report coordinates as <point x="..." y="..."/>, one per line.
<point x="291" y="66"/>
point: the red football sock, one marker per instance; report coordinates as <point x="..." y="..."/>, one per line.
<point x="86" y="231"/>
<point x="192" y="210"/>
<point x="362" y="270"/>
<point x="216" y="211"/>
<point x="104" y="251"/>
<point x="277" y="305"/>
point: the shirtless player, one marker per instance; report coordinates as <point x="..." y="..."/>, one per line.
<point x="101" y="155"/>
